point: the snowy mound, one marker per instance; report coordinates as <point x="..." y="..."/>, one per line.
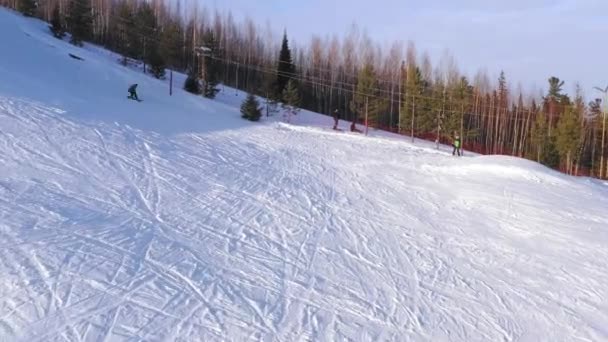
<point x="175" y="220"/>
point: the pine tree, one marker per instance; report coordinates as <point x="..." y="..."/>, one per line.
<point x="80" y="21"/>
<point x="27" y="7"/>
<point x="171" y="43"/>
<point x="539" y="136"/>
<point x="250" y="109"/>
<point x="291" y="98"/>
<point x="56" y="24"/>
<point x="366" y="100"/>
<point x="267" y="88"/>
<point x="157" y="62"/>
<point x="146" y="20"/>
<point x="414" y="105"/>
<point x="595" y="118"/>
<point x="192" y="84"/>
<point x="129" y="39"/>
<point x="551" y="155"/>
<point x="464" y="91"/>
<point x="568" y="135"/>
<point x="211" y="66"/>
<point x="190" y="41"/>
<point x="595" y="108"/>
<point x="554" y="100"/>
<point x="148" y="34"/>
<point x="545" y="145"/>
<point x="503" y="92"/>
<point x="286" y="69"/>
<point x="555" y="88"/>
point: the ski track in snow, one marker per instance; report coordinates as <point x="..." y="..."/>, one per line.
<point x="276" y="232"/>
<point x="110" y="233"/>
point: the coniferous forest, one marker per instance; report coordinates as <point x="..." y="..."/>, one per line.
<point x="396" y="89"/>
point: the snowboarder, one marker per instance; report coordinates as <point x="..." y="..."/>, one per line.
<point x="336" y="119"/>
<point x="456" y="143"/>
<point x="133" y="92"/>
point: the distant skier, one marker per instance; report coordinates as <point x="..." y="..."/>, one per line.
<point x="456" y="144"/>
<point x="336" y="119"/>
<point x="133" y="92"/>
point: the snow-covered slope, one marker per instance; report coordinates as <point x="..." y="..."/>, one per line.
<point x="175" y="220"/>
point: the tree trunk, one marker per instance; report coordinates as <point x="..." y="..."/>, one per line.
<point x="366" y="114"/>
<point x="413" y="116"/>
<point x="515" y="133"/>
<point x="602" y="174"/>
<point x="462" y="137"/>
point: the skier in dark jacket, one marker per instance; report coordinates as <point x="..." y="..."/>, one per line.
<point x="133" y="92"/>
<point x="336" y="118"/>
<point x="456" y="144"/>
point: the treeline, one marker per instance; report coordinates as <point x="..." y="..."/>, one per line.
<point x="394" y="89"/>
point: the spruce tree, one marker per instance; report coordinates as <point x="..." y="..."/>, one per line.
<point x="146" y="24"/>
<point x="595" y="108"/>
<point x="267" y="88"/>
<point x="157" y="62"/>
<point x="554" y="100"/>
<point x="503" y="92"/>
<point x="171" y="43"/>
<point x="545" y="145"/>
<point x="430" y="100"/>
<point x="286" y="69"/>
<point x="80" y="21"/>
<point x="129" y="43"/>
<point x="146" y="20"/>
<point x="464" y="92"/>
<point x="56" y="24"/>
<point x="568" y="136"/>
<point x="250" y="109"/>
<point x="433" y="116"/>
<point x="192" y="84"/>
<point x="551" y="154"/>
<point x="367" y="100"/>
<point x="555" y="88"/>
<point x="539" y="136"/>
<point x="27" y="7"/>
<point x="291" y="98"/>
<point x="414" y="105"/>
<point x="211" y="66"/>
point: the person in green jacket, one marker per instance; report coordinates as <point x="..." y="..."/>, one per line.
<point x="456" y="144"/>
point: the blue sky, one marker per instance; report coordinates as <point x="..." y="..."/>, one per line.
<point x="530" y="39"/>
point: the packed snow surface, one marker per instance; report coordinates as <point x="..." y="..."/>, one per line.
<point x="175" y="220"/>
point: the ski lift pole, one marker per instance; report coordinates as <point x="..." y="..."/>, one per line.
<point x="604" y="127"/>
<point x="144" y="59"/>
<point x="399" y="106"/>
<point x="605" y="112"/>
<point x="366" y="114"/>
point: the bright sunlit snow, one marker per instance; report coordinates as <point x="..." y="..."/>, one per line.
<point x="174" y="219"/>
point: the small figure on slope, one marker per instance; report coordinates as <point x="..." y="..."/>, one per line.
<point x="336" y="119"/>
<point x="133" y="92"/>
<point x="456" y="144"/>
